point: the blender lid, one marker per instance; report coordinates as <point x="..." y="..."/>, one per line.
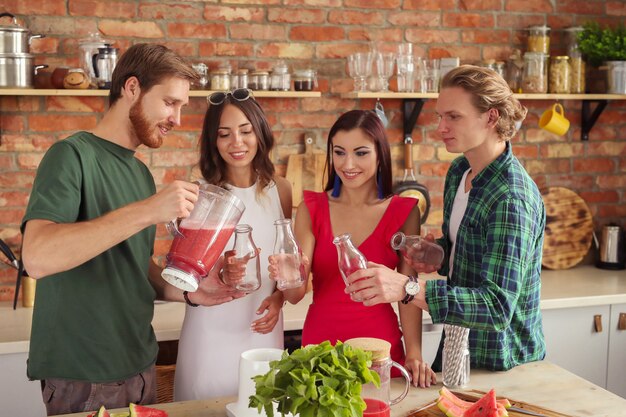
<point x="180" y="279"/>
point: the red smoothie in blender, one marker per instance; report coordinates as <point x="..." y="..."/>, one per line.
<point x="199" y="249"/>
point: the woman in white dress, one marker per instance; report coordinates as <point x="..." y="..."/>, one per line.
<point x="234" y="153"/>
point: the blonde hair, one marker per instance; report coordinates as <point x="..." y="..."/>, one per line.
<point x="489" y="91"/>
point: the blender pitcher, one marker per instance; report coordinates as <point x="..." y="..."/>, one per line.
<point x="200" y="238"/>
<point x="377" y="399"/>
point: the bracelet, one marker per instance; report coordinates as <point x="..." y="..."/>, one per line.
<point x="186" y="297"/>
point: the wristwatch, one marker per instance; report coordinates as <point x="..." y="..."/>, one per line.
<point x="411" y="289"/>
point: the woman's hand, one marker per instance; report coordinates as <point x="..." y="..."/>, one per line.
<point x="272" y="305"/>
<point x="274" y="265"/>
<point x="421" y="374"/>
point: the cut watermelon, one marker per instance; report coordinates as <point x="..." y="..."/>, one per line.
<point x="445" y="392"/>
<point x="485" y="407"/>
<point x="143" y="411"/>
<point x="449" y="408"/>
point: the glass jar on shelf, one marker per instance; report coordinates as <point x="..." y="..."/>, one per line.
<point x="559" y="80"/>
<point x="220" y="80"/>
<point x="259" y="80"/>
<point x="535" y="76"/>
<point x="514" y="71"/>
<point x="280" y="79"/>
<point x="242" y="78"/>
<point x="202" y="71"/>
<point x="539" y="39"/>
<point x="576" y="62"/>
<point x="304" y="80"/>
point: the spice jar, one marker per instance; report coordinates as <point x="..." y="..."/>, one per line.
<point x="535" y="76"/>
<point x="280" y="79"/>
<point x="304" y="80"/>
<point x="220" y="80"/>
<point x="242" y="78"/>
<point x="202" y="71"/>
<point x="576" y="63"/>
<point x="259" y="80"/>
<point x="559" y="75"/>
<point x="539" y="39"/>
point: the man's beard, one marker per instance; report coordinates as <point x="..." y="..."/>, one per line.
<point x="145" y="133"/>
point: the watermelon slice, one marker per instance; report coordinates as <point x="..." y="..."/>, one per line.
<point x="445" y="392"/>
<point x="485" y="407"/>
<point x="143" y="411"/>
<point x="449" y="408"/>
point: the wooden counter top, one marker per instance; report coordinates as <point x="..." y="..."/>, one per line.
<point x="538" y="383"/>
<point x="576" y="287"/>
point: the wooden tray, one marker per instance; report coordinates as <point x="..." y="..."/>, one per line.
<point x="431" y="409"/>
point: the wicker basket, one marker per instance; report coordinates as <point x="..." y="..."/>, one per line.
<point x="165" y="383"/>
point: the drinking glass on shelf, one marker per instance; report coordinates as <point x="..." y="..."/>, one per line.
<point x="384" y="66"/>
<point x="407" y="72"/>
<point x="362" y="67"/>
<point x="351" y="69"/>
<point x="431" y="75"/>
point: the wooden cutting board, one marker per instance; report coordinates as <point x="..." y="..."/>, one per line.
<point x="569" y="228"/>
<point x="431" y="410"/>
<point x="306" y="171"/>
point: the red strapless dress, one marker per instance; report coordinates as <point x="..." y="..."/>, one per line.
<point x="333" y="315"/>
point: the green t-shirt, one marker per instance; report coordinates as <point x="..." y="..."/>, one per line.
<point x="93" y="322"/>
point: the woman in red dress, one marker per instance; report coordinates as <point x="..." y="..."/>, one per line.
<point x="358" y="200"/>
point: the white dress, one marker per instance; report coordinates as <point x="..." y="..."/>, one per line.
<point x="213" y="338"/>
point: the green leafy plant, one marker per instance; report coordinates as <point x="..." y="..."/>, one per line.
<point x="599" y="45"/>
<point x="316" y="381"/>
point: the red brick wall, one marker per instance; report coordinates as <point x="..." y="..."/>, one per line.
<point x="319" y="33"/>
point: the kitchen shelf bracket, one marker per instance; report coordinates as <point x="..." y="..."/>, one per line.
<point x="411" y="109"/>
<point x="588" y="118"/>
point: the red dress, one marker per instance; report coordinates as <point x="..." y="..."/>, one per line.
<point x="333" y="315"/>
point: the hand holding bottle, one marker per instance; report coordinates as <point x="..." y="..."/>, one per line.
<point x="242" y="268"/>
<point x="421" y="253"/>
<point x="286" y="264"/>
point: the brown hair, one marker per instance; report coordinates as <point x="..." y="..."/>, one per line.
<point x="489" y="91"/>
<point x="150" y="63"/>
<point x="370" y="124"/>
<point x="212" y="165"/>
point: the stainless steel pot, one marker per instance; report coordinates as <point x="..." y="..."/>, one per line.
<point x="17" y="70"/>
<point x="15" y="39"/>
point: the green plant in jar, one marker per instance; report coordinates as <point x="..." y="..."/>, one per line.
<point x="316" y="380"/>
<point x="602" y="44"/>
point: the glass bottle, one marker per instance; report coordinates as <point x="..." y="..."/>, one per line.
<point x="422" y="250"/>
<point x="289" y="257"/>
<point x="349" y="258"/>
<point x="247" y="252"/>
<point x="456" y="359"/>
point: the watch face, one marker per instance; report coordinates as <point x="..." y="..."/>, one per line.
<point x="412" y="287"/>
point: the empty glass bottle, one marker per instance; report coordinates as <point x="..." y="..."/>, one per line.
<point x="350" y="259"/>
<point x="289" y="257"/>
<point x="247" y="252"/>
<point x="418" y="249"/>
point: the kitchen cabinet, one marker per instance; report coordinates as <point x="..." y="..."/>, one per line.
<point x="590" y="342"/>
<point x="412" y="104"/>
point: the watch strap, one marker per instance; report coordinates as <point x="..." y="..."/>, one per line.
<point x="408" y="297"/>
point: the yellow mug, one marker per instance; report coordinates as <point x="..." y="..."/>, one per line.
<point x="553" y="120"/>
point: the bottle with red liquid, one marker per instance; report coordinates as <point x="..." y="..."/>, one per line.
<point x="378" y="399"/>
<point x="200" y="238"/>
<point x="288" y="256"/>
<point x="349" y="258"/>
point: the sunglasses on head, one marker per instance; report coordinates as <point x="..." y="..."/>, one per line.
<point x="240" y="94"/>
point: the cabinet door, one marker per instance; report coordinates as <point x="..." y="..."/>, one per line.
<point x="574" y="342"/>
<point x="616" y="381"/>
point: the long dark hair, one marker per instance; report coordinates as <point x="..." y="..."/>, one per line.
<point x="371" y="125"/>
<point x="212" y="165"/>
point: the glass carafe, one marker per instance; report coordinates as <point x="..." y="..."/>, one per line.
<point x="349" y="258"/>
<point x="378" y="399"/>
<point x="88" y="49"/>
<point x="288" y="256"/>
<point x="418" y="249"/>
<point x="200" y="238"/>
<point x="104" y="64"/>
<point x="246" y="252"/>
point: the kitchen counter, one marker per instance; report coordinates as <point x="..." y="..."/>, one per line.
<point x="576" y="287"/>
<point x="539" y="383"/>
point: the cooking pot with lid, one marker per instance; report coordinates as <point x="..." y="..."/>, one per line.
<point x="15" y="39"/>
<point x="17" y="70"/>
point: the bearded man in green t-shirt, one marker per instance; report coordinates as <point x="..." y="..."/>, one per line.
<point x="89" y="233"/>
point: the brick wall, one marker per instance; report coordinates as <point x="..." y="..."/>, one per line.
<point x="317" y="33"/>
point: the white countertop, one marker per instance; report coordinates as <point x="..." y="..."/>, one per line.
<point x="577" y="287"/>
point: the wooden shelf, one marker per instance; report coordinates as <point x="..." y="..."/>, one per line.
<point x="393" y="94"/>
<point x="105" y="93"/>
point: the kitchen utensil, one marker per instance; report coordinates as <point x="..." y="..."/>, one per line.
<point x="58" y="75"/>
<point x="88" y="49"/>
<point x="103" y="64"/>
<point x="17" y="70"/>
<point x="409" y="187"/>
<point x="15" y="39"/>
<point x="306" y="171"/>
<point x="611" y="248"/>
<point x="569" y="228"/>
<point x="553" y="120"/>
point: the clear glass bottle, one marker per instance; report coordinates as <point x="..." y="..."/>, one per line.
<point x="289" y="257"/>
<point x="349" y="258"/>
<point x="455" y="366"/>
<point x="576" y="62"/>
<point x="535" y="76"/>
<point x="559" y="75"/>
<point x="418" y="249"/>
<point x="246" y="252"/>
<point x="539" y="39"/>
<point x="280" y="79"/>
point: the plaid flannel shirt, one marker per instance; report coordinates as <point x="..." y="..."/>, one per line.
<point x="495" y="285"/>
